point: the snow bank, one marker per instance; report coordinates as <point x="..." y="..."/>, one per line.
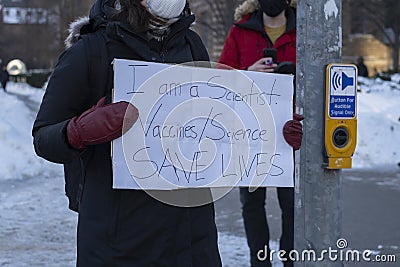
<point x="235" y="253"/>
<point x="378" y="123"/>
<point x="17" y="157"/>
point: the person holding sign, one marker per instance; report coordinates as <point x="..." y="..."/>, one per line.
<point x="76" y="123"/>
<point x="264" y="39"/>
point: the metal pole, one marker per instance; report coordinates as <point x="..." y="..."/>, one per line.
<point x="318" y="204"/>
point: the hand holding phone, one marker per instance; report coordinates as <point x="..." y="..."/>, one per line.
<point x="270" y="53"/>
<point x="267" y="63"/>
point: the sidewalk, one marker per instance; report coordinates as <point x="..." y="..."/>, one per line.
<point x="371" y="214"/>
<point x="37" y="229"/>
<point x="371" y="217"/>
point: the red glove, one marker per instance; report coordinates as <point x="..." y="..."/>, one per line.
<point x="100" y="124"/>
<point x="293" y="131"/>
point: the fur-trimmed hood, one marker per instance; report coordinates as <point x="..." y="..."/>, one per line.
<point x="74" y="31"/>
<point x="249" y="6"/>
<point x="100" y="12"/>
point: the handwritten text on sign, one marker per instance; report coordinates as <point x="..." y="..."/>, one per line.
<point x="202" y="127"/>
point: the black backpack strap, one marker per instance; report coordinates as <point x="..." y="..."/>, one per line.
<point x="97" y="58"/>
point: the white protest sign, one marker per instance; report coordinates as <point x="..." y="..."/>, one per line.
<point x="202" y="127"/>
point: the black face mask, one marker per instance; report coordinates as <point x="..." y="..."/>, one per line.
<point x="273" y="7"/>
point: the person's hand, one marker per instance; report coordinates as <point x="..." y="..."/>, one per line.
<point x="100" y="124"/>
<point x="293" y="131"/>
<point x="264" y="64"/>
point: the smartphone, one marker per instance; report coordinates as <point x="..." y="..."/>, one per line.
<point x="270" y="52"/>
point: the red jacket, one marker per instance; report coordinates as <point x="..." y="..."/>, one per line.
<point x="247" y="39"/>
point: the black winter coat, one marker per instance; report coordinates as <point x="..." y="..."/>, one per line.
<point x="122" y="228"/>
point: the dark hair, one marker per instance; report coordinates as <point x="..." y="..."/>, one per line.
<point x="136" y="14"/>
<point x="186" y="10"/>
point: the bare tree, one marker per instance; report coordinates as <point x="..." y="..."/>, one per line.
<point x="69" y="11"/>
<point x="384" y="15"/>
<point x="222" y="13"/>
<point x="214" y="18"/>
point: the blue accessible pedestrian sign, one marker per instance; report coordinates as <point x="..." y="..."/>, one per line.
<point x="342" y="91"/>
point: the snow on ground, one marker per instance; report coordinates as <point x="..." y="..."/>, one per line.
<point x="36" y="228"/>
<point x="22" y="171"/>
<point x="17" y="157"/>
<point x="378" y="123"/>
<point x="235" y="253"/>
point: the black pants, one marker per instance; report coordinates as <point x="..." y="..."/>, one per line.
<point x="4" y="84"/>
<point x="256" y="225"/>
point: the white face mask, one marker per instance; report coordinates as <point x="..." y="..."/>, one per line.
<point x="166" y="9"/>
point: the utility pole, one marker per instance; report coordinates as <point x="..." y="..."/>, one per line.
<point x="318" y="204"/>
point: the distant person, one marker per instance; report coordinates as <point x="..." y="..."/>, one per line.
<point x="362" y="69"/>
<point x="4" y="77"/>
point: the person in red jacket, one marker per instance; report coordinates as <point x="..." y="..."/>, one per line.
<point x="265" y="24"/>
<point x="243" y="48"/>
